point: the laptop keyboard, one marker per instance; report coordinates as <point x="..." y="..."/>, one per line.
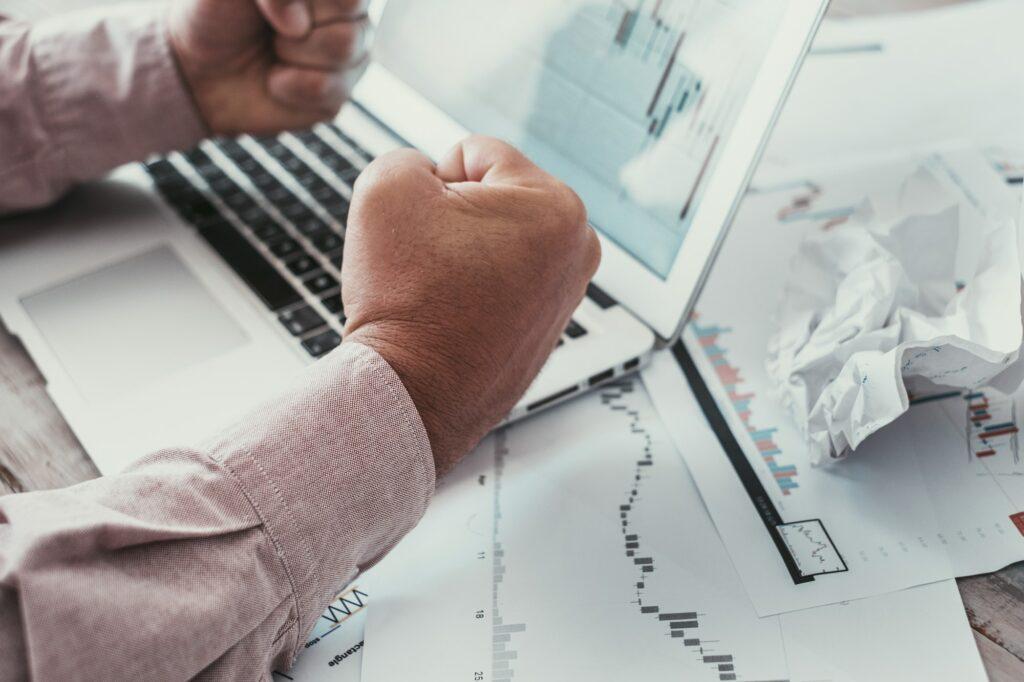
<point x="275" y="210"/>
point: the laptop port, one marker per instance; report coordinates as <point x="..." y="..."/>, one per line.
<point x="552" y="398"/>
<point x="601" y="377"/>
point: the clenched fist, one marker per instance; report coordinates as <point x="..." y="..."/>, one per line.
<point x="262" y="66"/>
<point x="462" y="276"/>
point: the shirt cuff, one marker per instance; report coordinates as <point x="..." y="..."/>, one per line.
<point x="110" y="90"/>
<point x="339" y="468"/>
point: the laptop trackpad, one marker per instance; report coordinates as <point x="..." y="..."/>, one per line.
<point x="131" y="323"/>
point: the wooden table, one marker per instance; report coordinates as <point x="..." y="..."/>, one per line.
<point x="39" y="451"/>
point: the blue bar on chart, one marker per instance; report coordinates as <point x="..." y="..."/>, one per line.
<point x="785" y="475"/>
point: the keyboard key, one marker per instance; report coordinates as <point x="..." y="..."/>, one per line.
<point x="320" y="283"/>
<point x="336" y="260"/>
<point x="325" y="194"/>
<point x="332" y="303"/>
<point x="293" y="164"/>
<point x="284" y="247"/>
<point x="273" y="289"/>
<point x="309" y="180"/>
<point x="300" y="320"/>
<point x="338" y="208"/>
<point x="233" y="150"/>
<point x="574" y="330"/>
<point x="296" y="211"/>
<point x="350" y="142"/>
<point x="239" y="201"/>
<point x="310" y="225"/>
<point x="254" y="216"/>
<point x="211" y="221"/>
<point x="195" y="208"/>
<point x="264" y="180"/>
<point x="305" y="135"/>
<point x="167" y="178"/>
<point x="224" y="186"/>
<point x="162" y="168"/>
<point x="268" y="232"/>
<point x="274" y="147"/>
<point x="278" y="194"/>
<point x="326" y="241"/>
<point x="197" y="157"/>
<point x="317" y="146"/>
<point x="337" y="163"/>
<point x="302" y="265"/>
<point x="321" y="344"/>
<point x="210" y="171"/>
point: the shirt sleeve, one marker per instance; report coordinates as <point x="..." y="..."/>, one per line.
<point x="216" y="562"/>
<point x="83" y="93"/>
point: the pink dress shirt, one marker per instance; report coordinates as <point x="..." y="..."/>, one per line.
<point x="214" y="562"/>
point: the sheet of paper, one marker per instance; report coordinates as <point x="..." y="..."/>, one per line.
<point x="334" y="649"/>
<point x="574" y="546"/>
<point x="878" y="86"/>
<point x="934" y="495"/>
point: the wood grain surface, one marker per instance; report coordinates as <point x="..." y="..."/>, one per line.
<point x="39" y="451"/>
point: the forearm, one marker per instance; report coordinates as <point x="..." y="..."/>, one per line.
<point x="82" y="94"/>
<point x="217" y="560"/>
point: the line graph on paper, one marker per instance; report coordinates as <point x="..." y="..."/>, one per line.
<point x="811" y="547"/>
<point x="680" y="625"/>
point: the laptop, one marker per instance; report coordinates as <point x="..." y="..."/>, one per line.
<point x="176" y="294"/>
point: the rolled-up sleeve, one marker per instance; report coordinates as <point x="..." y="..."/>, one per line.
<point x="83" y="93"/>
<point x="215" y="562"/>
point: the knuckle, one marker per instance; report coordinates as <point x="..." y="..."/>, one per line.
<point x="372" y="179"/>
<point x="385" y="173"/>
<point x="575" y="209"/>
<point x="592" y="252"/>
<point x="567" y="210"/>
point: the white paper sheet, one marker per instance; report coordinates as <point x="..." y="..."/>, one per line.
<point x="882" y="86"/>
<point x="932" y="496"/>
<point x="575" y="547"/>
<point x="918" y="292"/>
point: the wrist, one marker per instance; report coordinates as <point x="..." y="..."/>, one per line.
<point x="430" y="380"/>
<point x="184" y="77"/>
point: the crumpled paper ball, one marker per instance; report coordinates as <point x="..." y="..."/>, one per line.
<point x="919" y="292"/>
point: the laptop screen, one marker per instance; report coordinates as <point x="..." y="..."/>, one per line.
<point x="629" y="102"/>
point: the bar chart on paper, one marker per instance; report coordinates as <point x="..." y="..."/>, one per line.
<point x="710" y="339"/>
<point x="575" y="546"/>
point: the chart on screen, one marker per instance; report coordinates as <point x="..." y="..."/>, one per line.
<point x="937" y="494"/>
<point x="575" y="546"/>
<point x="630" y="103"/>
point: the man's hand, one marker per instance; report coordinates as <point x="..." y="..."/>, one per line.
<point x="463" y="276"/>
<point x="262" y="66"/>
